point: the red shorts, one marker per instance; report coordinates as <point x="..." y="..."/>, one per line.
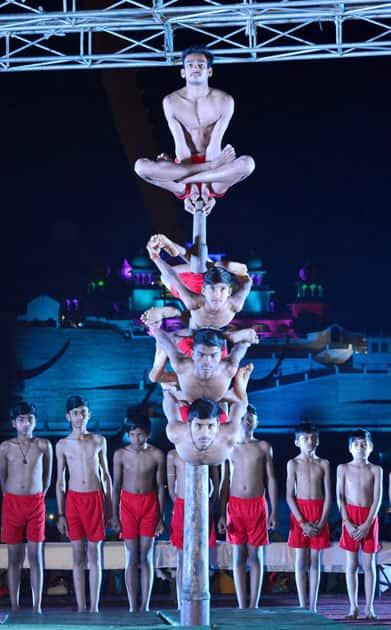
<point x="185" y="345"/>
<point x="311" y="511"/>
<point x="184" y="411"/>
<point x="247" y="521"/>
<point x="193" y="281"/>
<point x="178" y="524"/>
<point x="85" y="514"/>
<point x="197" y="159"/>
<point x="23" y="515"/>
<point x="369" y="544"/>
<point x="139" y="514"/>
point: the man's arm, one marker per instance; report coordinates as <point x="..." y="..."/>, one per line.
<point x="327" y="494"/>
<point x="47" y="466"/>
<point x="363" y="529"/>
<point x="341" y="500"/>
<point x="62" y="524"/>
<point x="3" y="466"/>
<point x="224" y="496"/>
<point x="182" y="150"/>
<point x="171" y="474"/>
<point x="236" y="413"/>
<point x="174" y="428"/>
<point x="227" y="109"/>
<point x="106" y="480"/>
<point x="235" y="356"/>
<point x="272" y="488"/>
<point x="117" y="487"/>
<point x="238" y="298"/>
<point x="161" y="489"/>
<point x="308" y="529"/>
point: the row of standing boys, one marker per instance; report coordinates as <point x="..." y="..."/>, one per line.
<point x="133" y="505"/>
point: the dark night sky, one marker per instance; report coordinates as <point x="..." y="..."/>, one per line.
<point x="320" y="135"/>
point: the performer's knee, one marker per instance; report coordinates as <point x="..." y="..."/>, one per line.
<point x="247" y="164"/>
<point x="141" y="167"/>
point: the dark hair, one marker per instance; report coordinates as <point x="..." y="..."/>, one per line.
<point x="208" y="337"/>
<point x="251" y="409"/>
<point x="203" y="408"/>
<point x="198" y="50"/>
<point x="22" y="408"/>
<point x="360" y="434"/>
<point x="138" y="422"/>
<point x="216" y="274"/>
<point x="305" y="427"/>
<point x="75" y="401"/>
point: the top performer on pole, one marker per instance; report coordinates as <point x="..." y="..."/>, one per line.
<point x="198" y="116"/>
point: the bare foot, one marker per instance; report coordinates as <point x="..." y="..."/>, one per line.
<point x="164" y="156"/>
<point x="236" y="268"/>
<point x="227" y="155"/>
<point x="168" y="245"/>
<point x="195" y="195"/>
<point x="241" y="379"/>
<point x="154" y="315"/>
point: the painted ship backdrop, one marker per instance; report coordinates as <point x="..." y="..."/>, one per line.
<point x="94" y="344"/>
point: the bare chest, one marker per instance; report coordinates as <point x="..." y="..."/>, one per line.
<point x="79" y="452"/>
<point x="199" y="114"/>
<point x="139" y="464"/>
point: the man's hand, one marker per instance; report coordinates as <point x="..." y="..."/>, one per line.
<point x="351" y="528"/>
<point x="222" y="524"/>
<point x="309" y="529"/>
<point x="152" y="317"/>
<point x="160" y="527"/>
<point x="62" y="525"/>
<point x="273" y="522"/>
<point x="360" y="531"/>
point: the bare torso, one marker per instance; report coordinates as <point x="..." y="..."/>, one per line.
<point x="205" y="317"/>
<point x="197" y="117"/>
<point x="82" y="459"/>
<point x="193" y="387"/>
<point x="139" y="468"/>
<point x="24" y="478"/>
<point x="309" y="477"/>
<point x="248" y="469"/>
<point x="359" y="483"/>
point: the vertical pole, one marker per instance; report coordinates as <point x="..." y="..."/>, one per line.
<point x="195" y="604"/>
<point x="195" y="597"/>
<point x="200" y="249"/>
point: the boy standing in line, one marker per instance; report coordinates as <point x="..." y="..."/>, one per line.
<point x="82" y="515"/>
<point x="308" y="494"/>
<point x="359" y="496"/>
<point x="245" y="518"/>
<point x="25" y="475"/>
<point x="138" y="502"/>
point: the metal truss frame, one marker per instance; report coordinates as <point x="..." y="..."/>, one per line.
<point x="86" y="34"/>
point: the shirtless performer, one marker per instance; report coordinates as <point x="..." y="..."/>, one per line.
<point x="138" y="506"/>
<point x="246" y="518"/>
<point x="176" y="471"/>
<point x="359" y="496"/>
<point x="203" y="439"/>
<point x="308" y="494"/>
<point x="206" y="374"/>
<point x="198" y="117"/>
<point x="82" y="515"/>
<point x="25" y="475"/>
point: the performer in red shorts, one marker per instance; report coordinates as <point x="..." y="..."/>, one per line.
<point x="308" y="494"/>
<point x="25" y="475"/>
<point x="198" y="117"/>
<point x="245" y="519"/>
<point x="359" y="496"/>
<point x="176" y="490"/>
<point x="82" y="515"/>
<point x="138" y="502"/>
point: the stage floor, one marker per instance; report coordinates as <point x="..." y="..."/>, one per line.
<point x="279" y="612"/>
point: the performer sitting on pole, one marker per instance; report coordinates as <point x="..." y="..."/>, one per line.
<point x="204" y="439"/>
<point x="176" y="488"/>
<point x="138" y="506"/>
<point x="206" y="374"/>
<point x="248" y="472"/>
<point x="198" y="117"/>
